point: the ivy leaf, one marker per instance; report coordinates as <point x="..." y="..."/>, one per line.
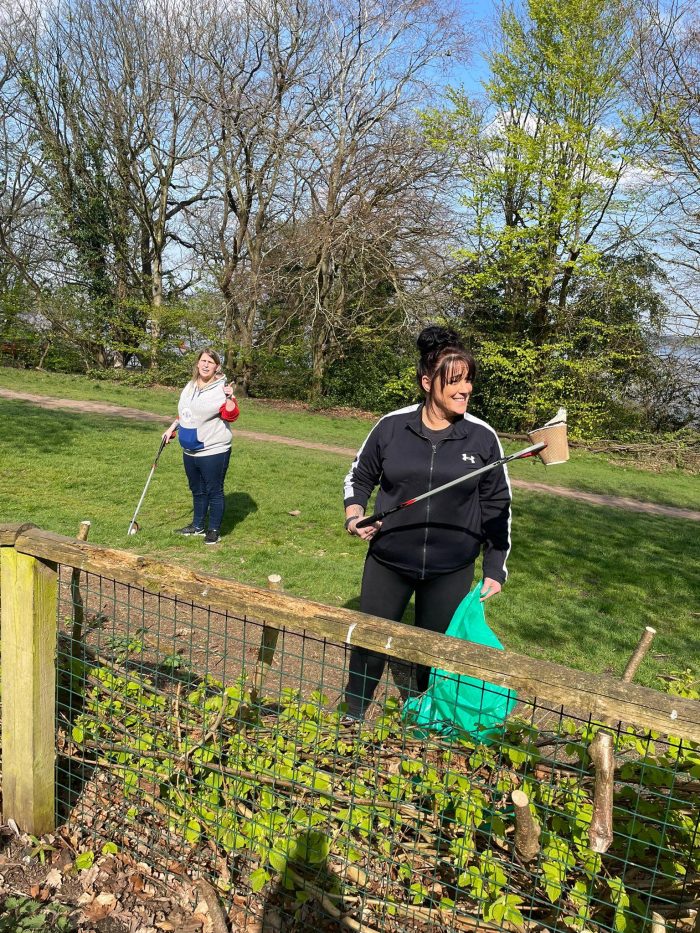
<point x="278" y="860"/>
<point x="420" y="892"/>
<point x="311" y="848"/>
<point x="517" y="756"/>
<point x="193" y="831"/>
<point x="505" y="909"/>
<point x="84" y="860"/>
<point x="258" y="880"/>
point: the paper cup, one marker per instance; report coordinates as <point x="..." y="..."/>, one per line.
<point x="554" y="436"/>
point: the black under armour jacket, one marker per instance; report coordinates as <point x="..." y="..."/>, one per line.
<point x="447" y="531"/>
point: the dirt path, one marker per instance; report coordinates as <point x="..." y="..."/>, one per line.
<point x="102" y="408"/>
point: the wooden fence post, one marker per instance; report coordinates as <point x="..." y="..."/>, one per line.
<point x="268" y="644"/>
<point x="527" y="829"/>
<point x="600" y="832"/>
<point x="76" y="595"/>
<point x="28" y="627"/>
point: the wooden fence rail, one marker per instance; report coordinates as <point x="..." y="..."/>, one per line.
<point x="29" y="634"/>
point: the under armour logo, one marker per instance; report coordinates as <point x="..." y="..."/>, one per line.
<point x="469" y="458"/>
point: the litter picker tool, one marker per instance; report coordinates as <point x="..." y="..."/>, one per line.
<point x="134" y="526"/>
<point x="557" y="425"/>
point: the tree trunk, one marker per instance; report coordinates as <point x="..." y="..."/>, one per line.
<point x="238" y="343"/>
<point x="318" y="362"/>
<point x="156" y="306"/>
<point x="230" y="332"/>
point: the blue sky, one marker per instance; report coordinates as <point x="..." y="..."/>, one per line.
<point x="481" y="15"/>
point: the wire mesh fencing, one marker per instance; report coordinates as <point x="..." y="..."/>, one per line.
<point x="207" y="743"/>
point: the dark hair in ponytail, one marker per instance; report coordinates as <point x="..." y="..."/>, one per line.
<point x="440" y="351"/>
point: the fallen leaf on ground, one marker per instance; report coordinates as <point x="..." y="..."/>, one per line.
<point x="102" y="905"/>
<point x="54" y="879"/>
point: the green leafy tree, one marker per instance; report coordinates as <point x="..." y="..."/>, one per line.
<point x="598" y="365"/>
<point x="547" y="160"/>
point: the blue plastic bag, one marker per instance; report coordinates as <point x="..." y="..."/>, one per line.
<point x="454" y="703"/>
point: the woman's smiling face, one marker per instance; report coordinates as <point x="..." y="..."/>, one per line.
<point x="452" y="399"/>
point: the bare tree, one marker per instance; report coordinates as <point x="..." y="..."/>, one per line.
<point x="21" y="258"/>
<point x="62" y="167"/>
<point x="23" y="255"/>
<point x="105" y="87"/>
<point x="366" y="172"/>
<point x="257" y="62"/>
<point x="144" y="78"/>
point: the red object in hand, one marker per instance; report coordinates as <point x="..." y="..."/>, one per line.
<point x="230" y="415"/>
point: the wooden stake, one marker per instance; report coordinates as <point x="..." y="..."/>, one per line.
<point x="268" y="643"/>
<point x="215" y="912"/>
<point x="639" y="653"/>
<point x="29" y="611"/>
<point x="527" y="829"/>
<point x="658" y="924"/>
<point x="76" y="596"/>
<point x="600" y="832"/>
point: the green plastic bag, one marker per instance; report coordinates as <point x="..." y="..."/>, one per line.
<point x="455" y="703"/>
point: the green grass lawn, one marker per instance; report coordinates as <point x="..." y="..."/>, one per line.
<point x="595" y="473"/>
<point x="584" y="581"/>
<point x="263" y="416"/>
<point x="585" y="471"/>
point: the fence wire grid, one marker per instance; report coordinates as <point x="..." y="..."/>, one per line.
<point x="190" y="740"/>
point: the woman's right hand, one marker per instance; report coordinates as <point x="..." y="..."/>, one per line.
<point x="169" y="434"/>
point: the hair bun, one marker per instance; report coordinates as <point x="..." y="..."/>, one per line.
<point x="434" y="338"/>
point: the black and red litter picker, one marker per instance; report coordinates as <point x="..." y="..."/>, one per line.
<point x="134" y="525"/>
<point x="550" y="446"/>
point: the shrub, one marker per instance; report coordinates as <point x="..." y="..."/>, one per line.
<point x="374" y="376"/>
<point x="282" y="373"/>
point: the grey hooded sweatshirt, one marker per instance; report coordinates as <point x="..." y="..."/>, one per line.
<point x="202" y="431"/>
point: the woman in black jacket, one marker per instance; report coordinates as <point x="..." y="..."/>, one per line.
<point x="428" y="549"/>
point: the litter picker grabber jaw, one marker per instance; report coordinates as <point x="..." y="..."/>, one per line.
<point x="133" y="525"/>
<point x="532" y="451"/>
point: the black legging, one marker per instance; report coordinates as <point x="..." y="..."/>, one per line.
<point x="386" y="593"/>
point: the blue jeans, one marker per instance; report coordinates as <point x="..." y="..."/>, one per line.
<point x="206" y="478"/>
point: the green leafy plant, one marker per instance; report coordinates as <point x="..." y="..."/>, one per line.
<point x="22" y="914"/>
<point x="40" y="849"/>
<point x="291" y="794"/>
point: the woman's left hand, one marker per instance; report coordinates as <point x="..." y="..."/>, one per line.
<point x="489" y="588"/>
<point x="228" y="391"/>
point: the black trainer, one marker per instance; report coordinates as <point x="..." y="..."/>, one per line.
<point x="212" y="536"/>
<point x="351" y="711"/>
<point x="190" y="530"/>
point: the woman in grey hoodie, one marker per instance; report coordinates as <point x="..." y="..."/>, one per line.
<point x="206" y="408"/>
